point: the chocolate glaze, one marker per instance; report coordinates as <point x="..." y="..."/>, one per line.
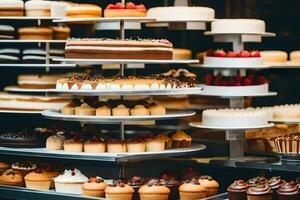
<point x="238" y="186"/>
<point x="260" y="189"/>
<point x="275" y="182"/>
<point x="289" y="188"/>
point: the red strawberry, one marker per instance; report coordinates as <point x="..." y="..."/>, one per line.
<point x="210" y="53"/>
<point x="209" y="79"/>
<point x="250" y="77"/>
<point x="218" y="81"/>
<point x="244" y="54"/>
<point x="220" y="53"/>
<point x="130" y="5"/>
<point x="140" y="6"/>
<point x="232" y="54"/>
<point x="255" y="54"/>
<point x="231" y="82"/>
<point x="237" y="84"/>
<point x="224" y="83"/>
<point x="261" y="80"/>
<point x="120" y="5"/>
<point x="237" y="79"/>
<point x="247" y="82"/>
<point x="111" y="6"/>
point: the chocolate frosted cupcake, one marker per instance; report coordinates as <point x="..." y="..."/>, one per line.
<point x="288" y="191"/>
<point x="259" y="192"/>
<point x="237" y="190"/>
<point x="275" y="183"/>
<point x="257" y="181"/>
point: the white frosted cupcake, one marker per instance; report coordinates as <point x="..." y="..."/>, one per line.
<point x="70" y="182"/>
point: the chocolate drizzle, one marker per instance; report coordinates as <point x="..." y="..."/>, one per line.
<point x="275" y="182"/>
<point x="238" y="186"/>
<point x="260" y="189"/>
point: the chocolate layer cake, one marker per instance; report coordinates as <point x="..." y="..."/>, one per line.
<point x="119" y="49"/>
<point x="22" y="139"/>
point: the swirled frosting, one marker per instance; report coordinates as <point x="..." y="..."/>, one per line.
<point x="275" y="182"/>
<point x="289" y="188"/>
<point x="71" y="176"/>
<point x="238" y="186"/>
<point x="260" y="189"/>
<point x="257" y="180"/>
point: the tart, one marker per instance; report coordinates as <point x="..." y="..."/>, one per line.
<point x="38" y="180"/>
<point x="85" y="110"/>
<point x="122" y="10"/>
<point x="119" y="190"/>
<point x="154" y="145"/>
<point x="120" y="110"/>
<point x="73" y="145"/>
<point x="156" y="109"/>
<point x="237" y="190"/>
<point x="103" y="111"/>
<point x="210" y="184"/>
<point x="139" y="110"/>
<point x="181" y="140"/>
<point x="154" y="189"/>
<point x="94" y="187"/>
<point x="12" y="178"/>
<point x="192" y="190"/>
<point x="166" y="139"/>
<point x="288" y="191"/>
<point x="55" y="142"/>
<point x="95" y="145"/>
<point x="116" y="146"/>
<point x="135" y="145"/>
<point x="4" y="167"/>
<point x="24" y="167"/>
<point x="259" y="192"/>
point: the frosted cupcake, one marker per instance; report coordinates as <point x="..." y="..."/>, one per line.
<point x="70" y="182"/>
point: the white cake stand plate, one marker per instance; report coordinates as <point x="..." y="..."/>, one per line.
<point x="200" y="125"/>
<point x="234" y="63"/>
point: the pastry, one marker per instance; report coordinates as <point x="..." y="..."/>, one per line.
<point x="70" y="182"/>
<point x="237" y="190"/>
<point x="154" y="145"/>
<point x="181" y="140"/>
<point x="11" y="8"/>
<point x="139" y="110"/>
<point x="84" y="11"/>
<point x="288" y="144"/>
<point x="35" y="8"/>
<point x="38" y="180"/>
<point x="24" y="167"/>
<point x="288" y="191"/>
<point x="119" y="190"/>
<point x="116" y="146"/>
<point x="73" y="145"/>
<point x="210" y="184"/>
<point x="135" y="145"/>
<point x="122" y="10"/>
<point x="51" y="173"/>
<point x="182" y="54"/>
<point x="99" y="48"/>
<point x="61" y="32"/>
<point x="286" y="112"/>
<point x="154" y="189"/>
<point x="295" y="56"/>
<point x="166" y="139"/>
<point x="21" y="139"/>
<point x="192" y="190"/>
<point x="274" y="57"/>
<point x="38" y="81"/>
<point x="94" y="187"/>
<point x="7" y="32"/>
<point x="4" y="167"/>
<point x="95" y="145"/>
<point x="85" y="109"/>
<point x="55" y="142"/>
<point x="172" y="183"/>
<point x="157" y="109"/>
<point x="259" y="192"/>
<point x="69" y="109"/>
<point x="120" y="110"/>
<point x="35" y="33"/>
<point x="12" y="178"/>
<point x="103" y="111"/>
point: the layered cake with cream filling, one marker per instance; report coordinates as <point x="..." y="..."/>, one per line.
<point x="235" y="118"/>
<point x="101" y="48"/>
<point x="30" y="102"/>
<point x="11" y="8"/>
<point x="181" y="13"/>
<point x="38" y="81"/>
<point x="240" y="26"/>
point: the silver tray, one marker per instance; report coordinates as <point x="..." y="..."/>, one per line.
<point x="233" y="68"/>
<point x="107" y="19"/>
<point x="55" y="115"/>
<point x="39" y="65"/>
<point x="19" y="112"/>
<point x="18" y="89"/>
<point x="200" y="125"/>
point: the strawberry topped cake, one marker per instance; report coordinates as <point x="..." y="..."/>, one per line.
<point x="230" y="59"/>
<point x="122" y="10"/>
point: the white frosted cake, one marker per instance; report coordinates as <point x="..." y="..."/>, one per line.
<point x="233" y="118"/>
<point x="181" y="13"/>
<point x="251" y="26"/>
<point x="286" y="112"/>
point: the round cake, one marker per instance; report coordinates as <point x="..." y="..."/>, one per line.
<point x="35" y="33"/>
<point x="22" y="139"/>
<point x="122" y="10"/>
<point x="84" y="11"/>
<point x="287" y="112"/>
<point x="38" y="81"/>
<point x="182" y="54"/>
<point x="295" y="56"/>
<point x="233" y="118"/>
<point x="181" y="13"/>
<point x="238" y="26"/>
<point x="38" y="8"/>
<point x="11" y="7"/>
<point x="274" y="57"/>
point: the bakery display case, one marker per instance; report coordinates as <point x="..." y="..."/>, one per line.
<point x="147" y="100"/>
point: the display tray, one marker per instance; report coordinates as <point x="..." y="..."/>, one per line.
<point x="287" y="65"/>
<point x="171" y="92"/>
<point x="55" y="115"/>
<point x="39" y="65"/>
<point x="24" y="90"/>
<point x="19" y="112"/>
<point x="200" y="125"/>
<point x="123" y="61"/>
<point x="105" y="157"/>
<point x="264" y="34"/>
<point x="26" y="18"/>
<point x="289" y="158"/>
<point x="287" y="121"/>
<point x="107" y="19"/>
<point x="32" y="41"/>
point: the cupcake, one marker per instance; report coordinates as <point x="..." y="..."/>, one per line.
<point x="70" y="182"/>
<point x="116" y="146"/>
<point x="275" y="183"/>
<point x="181" y="140"/>
<point x="257" y="180"/>
<point x="73" y="145"/>
<point x="24" y="167"/>
<point x="192" y="190"/>
<point x="237" y="190"/>
<point x="166" y="139"/>
<point x="135" y="145"/>
<point x="103" y="111"/>
<point x="85" y="110"/>
<point x="154" y="145"/>
<point x="289" y="191"/>
<point x="38" y="180"/>
<point x="120" y="110"/>
<point x="139" y="110"/>
<point x="156" y="109"/>
<point x="259" y="192"/>
<point x="210" y="184"/>
<point x="119" y="191"/>
<point x="12" y="178"/>
<point x="95" y="145"/>
<point x="4" y="167"/>
<point x="94" y="187"/>
<point x="55" y="142"/>
<point x="154" y="189"/>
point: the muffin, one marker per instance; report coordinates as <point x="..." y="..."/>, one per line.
<point x="257" y="181"/>
<point x="4" y="167"/>
<point x="55" y="142"/>
<point x="192" y="190"/>
<point x="103" y="111"/>
<point x="95" y="145"/>
<point x="275" y="183"/>
<point x="94" y="187"/>
<point x="154" y="189"/>
<point x="73" y="145"/>
<point x="116" y="146"/>
<point x="288" y="191"/>
<point x="166" y="139"/>
<point x="156" y="109"/>
<point x="181" y="140"/>
<point x="12" y="178"/>
<point x="154" y="145"/>
<point x="85" y="110"/>
<point x="24" y="167"/>
<point x="139" y="110"/>
<point x="259" y="192"/>
<point x="38" y="180"/>
<point x="119" y="191"/>
<point x="120" y="110"/>
<point x="237" y="190"/>
<point x="70" y="182"/>
<point x="210" y="184"/>
<point x="135" y="145"/>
